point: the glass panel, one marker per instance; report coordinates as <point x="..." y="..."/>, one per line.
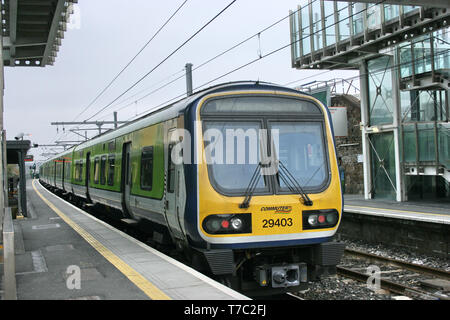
<point x="358" y="17"/>
<point x="441" y="45"/>
<point x="232" y="153"/>
<point x="409" y="147"/>
<point x="444" y="144"/>
<point x="147" y="168"/>
<point x="96" y="170"/>
<point x="380" y="91"/>
<point x="103" y="170"/>
<point x="329" y="23"/>
<point x="391" y="11"/>
<point x="344" y="21"/>
<point x="111" y="167"/>
<point x="373" y="16"/>
<point x="171" y="172"/>
<point x="409" y="8"/>
<point x="405" y="103"/>
<point x="301" y="150"/>
<point x="422" y="55"/>
<point x="383" y="165"/>
<point x="426" y="142"/>
<point x="317" y="26"/>
<point x="405" y="60"/>
<point x="295" y="35"/>
<point x="306" y="41"/>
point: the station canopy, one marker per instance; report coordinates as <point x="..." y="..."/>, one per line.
<point x="32" y="30"/>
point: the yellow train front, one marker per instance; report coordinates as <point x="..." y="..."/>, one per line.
<point x="263" y="194"/>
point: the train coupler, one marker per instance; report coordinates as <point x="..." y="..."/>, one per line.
<point x="282" y="276"/>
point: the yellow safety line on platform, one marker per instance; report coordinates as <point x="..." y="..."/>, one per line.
<point x="395" y="210"/>
<point x="140" y="281"/>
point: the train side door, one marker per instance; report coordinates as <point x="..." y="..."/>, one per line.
<point x="88" y="173"/>
<point x="63" y="175"/>
<point x="126" y="177"/>
<point x="54" y="173"/>
<point x="171" y="192"/>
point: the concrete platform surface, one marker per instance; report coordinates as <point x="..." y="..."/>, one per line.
<point x="64" y="253"/>
<point x="427" y="211"/>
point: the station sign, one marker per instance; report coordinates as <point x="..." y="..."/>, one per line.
<point x="29" y="158"/>
<point x="340" y="121"/>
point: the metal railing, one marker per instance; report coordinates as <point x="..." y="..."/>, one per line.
<point x="337" y="86"/>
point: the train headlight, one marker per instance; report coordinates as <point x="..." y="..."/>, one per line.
<point x="312" y="219"/>
<point x="236" y="223"/>
<point x="320" y="219"/>
<point x="228" y="223"/>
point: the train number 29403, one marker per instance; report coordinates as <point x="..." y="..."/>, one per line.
<point x="283" y="222"/>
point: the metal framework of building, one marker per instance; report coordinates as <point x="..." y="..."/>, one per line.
<point x="431" y="3"/>
<point x="403" y="55"/>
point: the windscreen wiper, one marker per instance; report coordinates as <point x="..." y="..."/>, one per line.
<point x="292" y="183"/>
<point x="252" y="185"/>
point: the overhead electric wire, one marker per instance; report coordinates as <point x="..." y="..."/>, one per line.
<point x="129" y="63"/>
<point x="393" y="67"/>
<point x="132" y="60"/>
<point x="218" y="55"/>
<point x="246" y="64"/>
<point x="269" y="54"/>
<point x="165" y="59"/>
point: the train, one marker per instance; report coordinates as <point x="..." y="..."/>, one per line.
<point x="241" y="178"/>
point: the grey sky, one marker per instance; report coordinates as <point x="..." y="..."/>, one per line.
<point x="111" y="33"/>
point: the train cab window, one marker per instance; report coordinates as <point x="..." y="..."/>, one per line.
<point x="111" y="167"/>
<point x="96" y="170"/>
<point x="147" y="168"/>
<point x="170" y="172"/>
<point x="103" y="170"/>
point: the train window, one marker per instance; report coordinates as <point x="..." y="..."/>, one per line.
<point x="79" y="171"/>
<point x="307" y="162"/>
<point x="147" y="168"/>
<point x="171" y="172"/>
<point x="232" y="170"/>
<point x="267" y="104"/>
<point x="112" y="146"/>
<point x="69" y="167"/>
<point x="103" y="170"/>
<point x="111" y="166"/>
<point x="96" y="170"/>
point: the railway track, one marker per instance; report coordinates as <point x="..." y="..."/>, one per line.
<point x="395" y="287"/>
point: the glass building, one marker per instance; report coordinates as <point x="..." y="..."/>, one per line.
<point x="403" y="55"/>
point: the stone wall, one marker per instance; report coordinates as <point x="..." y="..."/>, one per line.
<point x="348" y="148"/>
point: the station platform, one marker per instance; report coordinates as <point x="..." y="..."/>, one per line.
<point x="63" y="253"/>
<point x="425" y="211"/>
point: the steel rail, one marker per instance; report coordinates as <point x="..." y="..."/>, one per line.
<point x="390" y="286"/>
<point x="443" y="274"/>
